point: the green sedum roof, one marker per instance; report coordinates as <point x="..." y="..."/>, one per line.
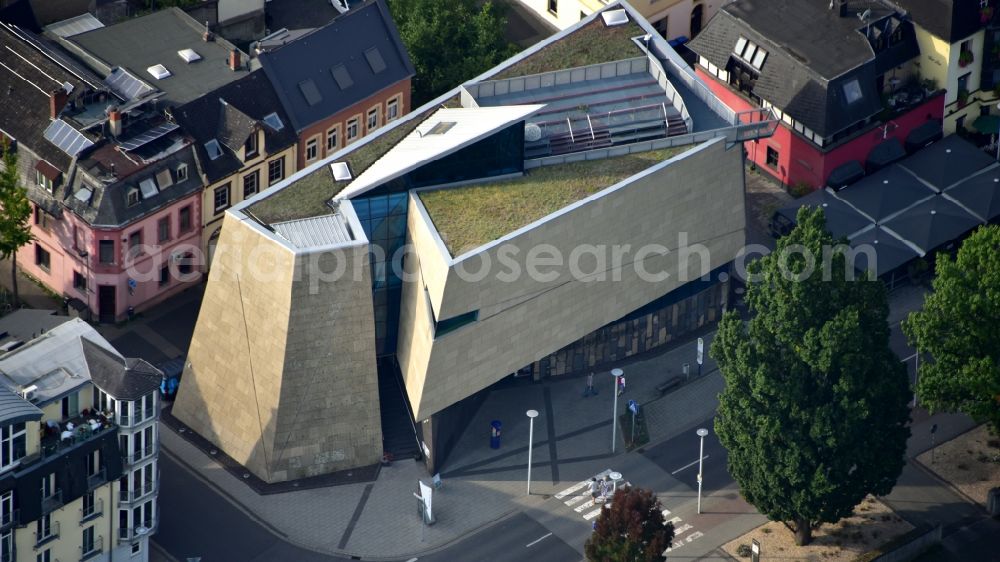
<point x="469" y="216"/>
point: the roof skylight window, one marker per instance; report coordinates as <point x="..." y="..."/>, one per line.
<point x="158" y="71"/>
<point x="375" y="59"/>
<point x="614" y="17"/>
<point x="342" y="76"/>
<point x="189" y="55"/>
<point x="213" y="149"/>
<point x="440" y="128"/>
<point x="852" y="91"/>
<point x="273" y="121"/>
<point x="341" y="172"/>
<point x="758" y="59"/>
<point x="148" y="187"/>
<point x="741" y="44"/>
<point x="310" y="91"/>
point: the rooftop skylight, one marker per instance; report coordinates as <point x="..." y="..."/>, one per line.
<point x="189" y="55"/>
<point x="310" y="91"/>
<point x="852" y="91"/>
<point x="614" y="17"/>
<point x="342" y="76"/>
<point x="341" y="172"/>
<point x="440" y="128"/>
<point x="273" y="121"/>
<point x="158" y="71"/>
<point x="375" y="59"/>
<point x="213" y="149"/>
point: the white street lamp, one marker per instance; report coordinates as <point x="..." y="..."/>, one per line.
<point x="532" y="414"/>
<point x="614" y="409"/>
<point x="701" y="456"/>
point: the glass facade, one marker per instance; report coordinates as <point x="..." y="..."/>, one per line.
<point x="382" y="212"/>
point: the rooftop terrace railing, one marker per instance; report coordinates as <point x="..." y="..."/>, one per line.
<point x="687" y="77"/>
<point x="601" y="71"/>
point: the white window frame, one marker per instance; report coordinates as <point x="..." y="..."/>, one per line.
<point x="7" y="438"/>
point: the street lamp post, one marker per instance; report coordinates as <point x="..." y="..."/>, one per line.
<point x="998" y="139"/>
<point x="532" y="414"/>
<point x="701" y="456"/>
<point x="614" y="409"/>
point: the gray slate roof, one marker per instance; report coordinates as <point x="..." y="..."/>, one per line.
<point x="14" y="409"/>
<point x="108" y="206"/>
<point x="124" y="379"/>
<point x="251" y="97"/>
<point x="812" y="54"/>
<point x="347" y="41"/>
<point x="140" y="43"/>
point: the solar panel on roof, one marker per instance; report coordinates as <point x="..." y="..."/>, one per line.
<point x="125" y="85"/>
<point x="375" y="59"/>
<point x="148" y="136"/>
<point x="342" y="76"/>
<point x="148" y="188"/>
<point x="64" y="136"/>
<point x="310" y="92"/>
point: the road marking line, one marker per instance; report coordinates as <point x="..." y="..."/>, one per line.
<point x="665" y="512"/>
<point x="683" y="529"/>
<point x="592" y="514"/>
<point x="695" y="536"/>
<point x="675" y="520"/>
<point x="674" y="547"/>
<point x="414" y="559"/>
<point x="908" y="358"/>
<point x="583" y="506"/>
<point x="573" y="500"/>
<point x="692" y="463"/>
<point x="536" y="541"/>
<point x="579" y="485"/>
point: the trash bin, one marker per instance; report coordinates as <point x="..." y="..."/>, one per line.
<point x="495" y="427"/>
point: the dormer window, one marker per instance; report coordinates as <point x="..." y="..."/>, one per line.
<point x="250" y="147"/>
<point x="46" y="175"/>
<point x="182" y="173"/>
<point x="42" y="181"/>
<point x="132" y="196"/>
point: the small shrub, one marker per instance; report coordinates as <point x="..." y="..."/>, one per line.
<point x="743" y="551"/>
<point x="800" y="188"/>
<point x="766" y="530"/>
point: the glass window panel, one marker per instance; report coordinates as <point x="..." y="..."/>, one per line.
<point x="379" y="206"/>
<point x="397" y="203"/>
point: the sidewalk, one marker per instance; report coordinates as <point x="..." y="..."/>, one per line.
<point x="30" y="293"/>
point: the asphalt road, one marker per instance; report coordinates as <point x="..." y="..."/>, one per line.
<point x="515" y="539"/>
<point x="678" y="457"/>
<point x="196" y="521"/>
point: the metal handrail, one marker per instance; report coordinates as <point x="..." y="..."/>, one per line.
<point x="149" y="487"/>
<point x="52" y="502"/>
<point x="97" y="547"/>
<point x="95" y="511"/>
<point x="10" y="519"/>
<point x="53" y="534"/>
<point x="137" y="456"/>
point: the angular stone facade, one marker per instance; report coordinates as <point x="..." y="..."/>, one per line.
<point x="281" y="370"/>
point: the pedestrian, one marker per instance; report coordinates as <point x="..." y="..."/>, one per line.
<point x="606" y="487"/>
<point x="594" y="489"/>
<point x="590" y="386"/>
<point x="621" y="385"/>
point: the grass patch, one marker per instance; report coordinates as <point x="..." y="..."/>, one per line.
<point x="641" y="436"/>
<point x="593" y="43"/>
<point x="469" y="216"/>
<point x="307" y="197"/>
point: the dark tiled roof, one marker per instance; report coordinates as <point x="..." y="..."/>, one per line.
<point x="14" y="409"/>
<point x="124" y="379"/>
<point x="251" y="97"/>
<point x="234" y="126"/>
<point x="315" y="57"/>
<point x="951" y="20"/>
<point x="140" y="43"/>
<point x="24" y="96"/>
<point x="108" y="205"/>
<point x="812" y="54"/>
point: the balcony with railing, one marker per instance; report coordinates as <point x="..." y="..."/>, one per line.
<point x="53" y="534"/>
<point x="128" y="496"/>
<point x="97" y="479"/>
<point x="57" y="438"/>
<point x="92" y="550"/>
<point x="52" y="502"/>
<point x="137" y="456"/>
<point x="91" y="512"/>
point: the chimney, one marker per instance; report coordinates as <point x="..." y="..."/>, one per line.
<point x="234" y="60"/>
<point x="57" y="101"/>
<point x="207" y="35"/>
<point x="843" y="8"/>
<point x="115" y="122"/>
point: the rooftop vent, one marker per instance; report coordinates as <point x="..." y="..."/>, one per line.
<point x="273" y="121"/>
<point x="614" y="17"/>
<point x="189" y="55"/>
<point x="341" y="172"/>
<point x="28" y="392"/>
<point x="67" y="87"/>
<point x="158" y="71"/>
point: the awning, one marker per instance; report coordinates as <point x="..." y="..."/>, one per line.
<point x="883" y="154"/>
<point x="988" y="124"/>
<point x="923" y="135"/>
<point x="50" y="172"/>
<point x="845" y="174"/>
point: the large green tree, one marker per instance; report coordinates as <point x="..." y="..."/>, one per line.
<point x="15" y="212"/>
<point x="449" y="41"/>
<point x="814" y="412"/>
<point x="958" y="331"/>
<point x="631" y="530"/>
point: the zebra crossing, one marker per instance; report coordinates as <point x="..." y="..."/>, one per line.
<point x="577" y="497"/>
<point x="680" y="528"/>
